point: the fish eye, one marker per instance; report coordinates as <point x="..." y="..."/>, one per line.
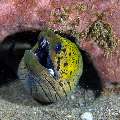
<point x="58" y="47"/>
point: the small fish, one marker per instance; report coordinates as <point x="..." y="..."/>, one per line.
<point x="53" y="67"/>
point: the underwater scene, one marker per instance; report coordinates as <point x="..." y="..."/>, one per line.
<point x="60" y="60"/>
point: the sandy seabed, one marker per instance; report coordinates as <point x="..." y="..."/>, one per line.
<point x="16" y="104"/>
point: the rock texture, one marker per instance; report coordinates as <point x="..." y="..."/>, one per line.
<point x="94" y="23"/>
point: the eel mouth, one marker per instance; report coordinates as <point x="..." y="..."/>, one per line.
<point x="43" y="55"/>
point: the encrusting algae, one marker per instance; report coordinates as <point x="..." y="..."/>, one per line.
<point x="102" y="34"/>
<point x="98" y="31"/>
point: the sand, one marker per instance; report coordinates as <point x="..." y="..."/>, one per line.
<point x="16" y="104"/>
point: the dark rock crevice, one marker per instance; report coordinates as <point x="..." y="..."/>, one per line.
<point x="11" y="57"/>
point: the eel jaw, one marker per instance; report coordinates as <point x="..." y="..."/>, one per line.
<point x="44" y="58"/>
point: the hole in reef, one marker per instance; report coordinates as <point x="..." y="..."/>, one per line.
<point x="10" y="55"/>
<point x="90" y="78"/>
<point x="10" y="59"/>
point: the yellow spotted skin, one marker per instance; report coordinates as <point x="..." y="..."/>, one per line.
<point x="67" y="63"/>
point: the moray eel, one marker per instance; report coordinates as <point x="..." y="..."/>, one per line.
<point x="53" y="67"/>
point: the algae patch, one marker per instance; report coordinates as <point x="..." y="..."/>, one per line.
<point x="102" y="34"/>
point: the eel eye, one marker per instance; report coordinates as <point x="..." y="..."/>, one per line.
<point x="58" y="47"/>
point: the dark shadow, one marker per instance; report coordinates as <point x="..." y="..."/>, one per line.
<point x="11" y="51"/>
<point x="90" y="78"/>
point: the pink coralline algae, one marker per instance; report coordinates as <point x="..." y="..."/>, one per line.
<point x="94" y="23"/>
